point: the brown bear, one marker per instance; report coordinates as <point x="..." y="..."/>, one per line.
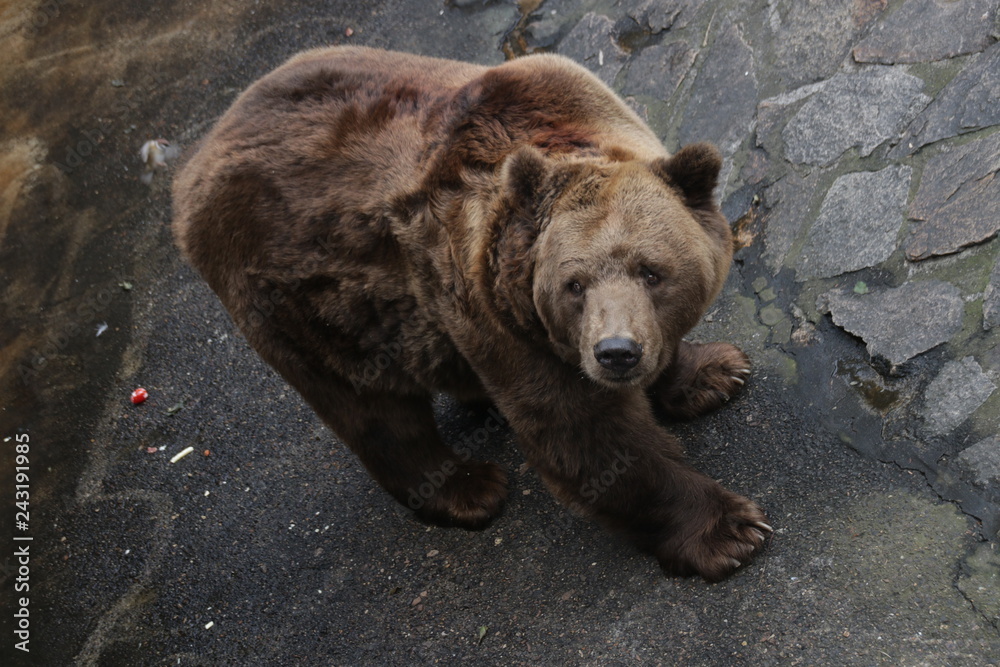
<point x="384" y="226"/>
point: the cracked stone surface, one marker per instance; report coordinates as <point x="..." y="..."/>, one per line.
<point x="658" y="70"/>
<point x="958" y="200"/>
<point x="899" y="323"/>
<point x="859" y="110"/>
<point x="660" y="15"/>
<point x="774" y="112"/>
<point x="982" y="462"/>
<point x="923" y="30"/>
<point x="857" y="224"/>
<point x="980" y="581"/>
<point x="543" y="34"/>
<point x="967" y="103"/>
<point x="788" y="203"/>
<point x="724" y="94"/>
<point x="591" y="43"/>
<point x="957" y="391"/>
<point x="991" y="299"/>
<point x="811" y="38"/>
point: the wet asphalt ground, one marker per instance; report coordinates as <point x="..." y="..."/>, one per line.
<point x="861" y="142"/>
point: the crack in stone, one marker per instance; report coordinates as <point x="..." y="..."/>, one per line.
<point x="990" y="622"/>
<point x="958" y="505"/>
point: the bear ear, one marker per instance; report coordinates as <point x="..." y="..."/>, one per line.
<point x="523" y="174"/>
<point x="524" y="178"/>
<point x="694" y="169"/>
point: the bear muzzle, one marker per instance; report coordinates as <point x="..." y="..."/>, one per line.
<point x="618" y="354"/>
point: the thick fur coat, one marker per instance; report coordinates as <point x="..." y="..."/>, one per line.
<point x="383" y="226"/>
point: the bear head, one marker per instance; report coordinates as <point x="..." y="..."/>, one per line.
<point x="616" y="260"/>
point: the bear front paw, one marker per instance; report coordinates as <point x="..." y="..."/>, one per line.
<point x="466" y="495"/>
<point x="716" y="539"/>
<point x="702" y="379"/>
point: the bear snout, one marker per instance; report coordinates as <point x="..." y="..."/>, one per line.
<point x="618" y="354"/>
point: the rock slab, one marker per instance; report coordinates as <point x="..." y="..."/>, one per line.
<point x="591" y="43"/>
<point x="982" y="461"/>
<point x="858" y="223"/>
<point x="991" y="300"/>
<point x="788" y="203"/>
<point x="958" y="200"/>
<point x="660" y="15"/>
<point x="724" y="96"/>
<point x="968" y="103"/>
<point x="810" y="39"/>
<point x="658" y="70"/>
<point x="898" y="323"/>
<point x="857" y="110"/>
<point x="958" y="391"/>
<point x="928" y="30"/>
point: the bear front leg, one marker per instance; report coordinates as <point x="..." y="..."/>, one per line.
<point x="604" y="455"/>
<point x="646" y="492"/>
<point x="702" y="378"/>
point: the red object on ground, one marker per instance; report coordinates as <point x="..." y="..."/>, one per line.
<point x="139" y="395"/>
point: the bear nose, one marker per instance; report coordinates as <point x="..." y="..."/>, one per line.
<point x="618" y="354"/>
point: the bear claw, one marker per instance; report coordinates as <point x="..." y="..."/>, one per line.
<point x="704" y="377"/>
<point x="716" y="546"/>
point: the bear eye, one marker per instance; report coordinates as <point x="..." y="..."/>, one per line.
<point x="575" y="287"/>
<point x="650" y="277"/>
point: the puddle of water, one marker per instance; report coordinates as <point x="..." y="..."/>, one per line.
<point x="871" y="386"/>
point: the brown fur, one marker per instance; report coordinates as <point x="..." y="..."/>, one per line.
<point x="383" y="226"/>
